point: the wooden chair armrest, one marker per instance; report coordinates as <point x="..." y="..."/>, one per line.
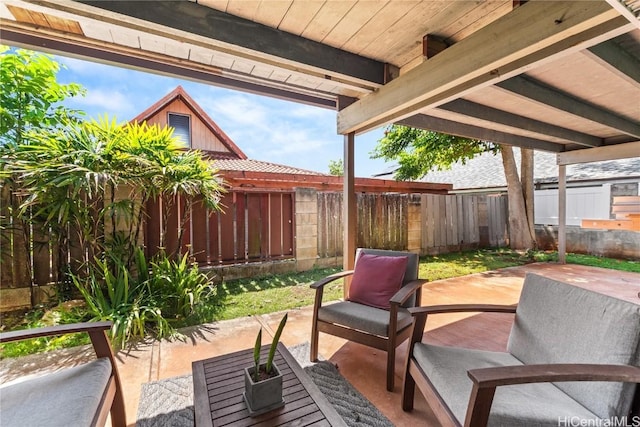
<point x="24" y="334"/>
<point x="486" y="380"/>
<point x="406" y="291"/>
<point x="320" y="283"/>
<point x="555" y="372"/>
<point x="96" y="331"/>
<point x="459" y="308"/>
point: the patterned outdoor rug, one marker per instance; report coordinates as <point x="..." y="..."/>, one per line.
<point x="169" y="403"/>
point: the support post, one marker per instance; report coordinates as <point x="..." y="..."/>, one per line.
<point x="562" y="214"/>
<point x="349" y="202"/>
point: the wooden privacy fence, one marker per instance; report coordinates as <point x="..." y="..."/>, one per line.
<point x="381" y="218"/>
<point x="29" y="255"/>
<point x="445" y="222"/>
<point x="251" y="227"/>
<point x="455" y="222"/>
<point x="260" y="226"/>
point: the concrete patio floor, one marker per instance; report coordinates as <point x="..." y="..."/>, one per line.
<point x="362" y="366"/>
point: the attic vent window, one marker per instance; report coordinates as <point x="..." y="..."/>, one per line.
<point x="181" y="124"/>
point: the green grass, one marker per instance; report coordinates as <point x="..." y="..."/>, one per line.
<point x="462" y="263"/>
<point x="590" y="260"/>
<point x="246" y="297"/>
<point x="267" y="294"/>
<point x="38" y="318"/>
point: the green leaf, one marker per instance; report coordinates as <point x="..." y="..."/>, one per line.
<point x="256" y="355"/>
<point x="274" y="343"/>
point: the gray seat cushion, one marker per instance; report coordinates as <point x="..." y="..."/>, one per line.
<point x="70" y="397"/>
<point x="520" y="405"/>
<point x="362" y="317"/>
<point x="557" y="322"/>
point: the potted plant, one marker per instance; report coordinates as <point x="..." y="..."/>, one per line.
<point x="263" y="382"/>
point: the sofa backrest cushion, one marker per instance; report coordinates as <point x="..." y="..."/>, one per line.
<point x="558" y="322"/>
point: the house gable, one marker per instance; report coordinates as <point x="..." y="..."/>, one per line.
<point x="205" y="134"/>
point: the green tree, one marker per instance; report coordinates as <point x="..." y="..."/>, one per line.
<point x="30" y="104"/>
<point x="73" y="177"/>
<point x="336" y="167"/>
<point x="419" y="151"/>
<point x="30" y="95"/>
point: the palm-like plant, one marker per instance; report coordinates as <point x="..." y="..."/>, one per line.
<point x="72" y="177"/>
<point x="268" y="367"/>
<point x="89" y="185"/>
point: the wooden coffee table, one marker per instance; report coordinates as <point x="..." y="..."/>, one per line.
<point x="218" y="384"/>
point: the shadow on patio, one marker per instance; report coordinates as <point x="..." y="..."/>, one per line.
<point x="362" y="366"/>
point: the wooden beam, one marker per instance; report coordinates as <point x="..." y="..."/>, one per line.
<point x="531" y="89"/>
<point x="625" y="11"/>
<point x="436" y="124"/>
<point x="251" y="181"/>
<point x="350" y="210"/>
<point x="534" y="33"/>
<point x="599" y="154"/>
<point x="562" y="214"/>
<point x="432" y="45"/>
<point x="483" y="112"/>
<point x="617" y="60"/>
<point x="214" y="25"/>
<point x="21" y="36"/>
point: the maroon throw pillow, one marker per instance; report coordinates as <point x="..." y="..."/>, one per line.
<point x="376" y="279"/>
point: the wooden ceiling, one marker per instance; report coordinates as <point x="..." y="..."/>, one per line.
<point x="556" y="76"/>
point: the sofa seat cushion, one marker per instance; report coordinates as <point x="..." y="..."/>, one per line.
<point x="537" y="404"/>
<point x="362" y="317"/>
<point x="70" y="397"/>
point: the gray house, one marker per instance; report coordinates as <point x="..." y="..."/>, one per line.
<point x="600" y="197"/>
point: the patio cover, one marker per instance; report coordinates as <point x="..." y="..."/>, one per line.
<point x="559" y="76"/>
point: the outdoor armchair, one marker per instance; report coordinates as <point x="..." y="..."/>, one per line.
<point x="375" y="313"/>
<point x="573" y="358"/>
<point x="82" y="395"/>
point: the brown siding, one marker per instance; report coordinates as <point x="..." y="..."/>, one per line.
<point x="202" y="138"/>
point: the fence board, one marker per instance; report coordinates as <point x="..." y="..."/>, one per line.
<point x="460" y="220"/>
<point x="498" y="231"/>
<point x="275" y="225"/>
<point x="231" y="245"/>
<point x="287" y="224"/>
<point x="41" y="256"/>
<point x="6" y="250"/>
<point x="199" y="232"/>
<point x="254" y="225"/>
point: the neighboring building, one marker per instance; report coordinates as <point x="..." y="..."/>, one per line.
<point x="590" y="186"/>
<point x="269" y="209"/>
<point x="198" y="131"/>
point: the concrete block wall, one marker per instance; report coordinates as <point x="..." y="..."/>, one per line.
<point x="306" y="229"/>
<point x="621" y="244"/>
<point x="415" y="223"/>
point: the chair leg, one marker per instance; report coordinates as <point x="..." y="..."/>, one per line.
<point x="391" y="363"/>
<point x="313" y="351"/>
<point x="408" y="391"/>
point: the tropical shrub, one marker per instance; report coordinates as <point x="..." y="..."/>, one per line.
<point x="143" y="300"/>
<point x="179" y="285"/>
<point x="113" y="293"/>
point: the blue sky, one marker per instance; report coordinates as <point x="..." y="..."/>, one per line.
<point x="264" y="128"/>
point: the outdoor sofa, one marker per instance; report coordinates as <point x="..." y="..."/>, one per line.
<point x="82" y="395"/>
<point x="573" y="358"/>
